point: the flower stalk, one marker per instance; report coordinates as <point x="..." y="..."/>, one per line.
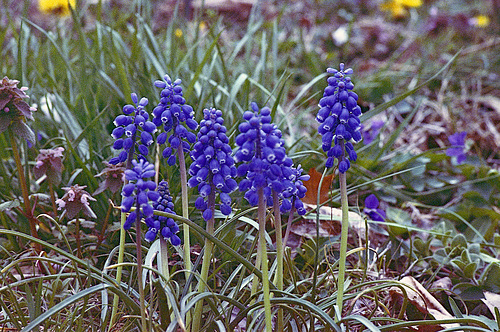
<point x="185" y="210"/>
<point x="24" y="187"/>
<point x="119" y="269"/>
<point x="339" y="124"/>
<point x="261" y="215"/>
<point x="343" y="241"/>
<point x="207" y="258"/>
<point x="138" y="245"/>
<point x="212" y="172"/>
<point x="77" y="238"/>
<point x="279" y="254"/>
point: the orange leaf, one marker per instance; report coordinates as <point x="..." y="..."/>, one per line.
<point x="312" y="186"/>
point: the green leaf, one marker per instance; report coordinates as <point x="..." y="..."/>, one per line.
<point x="9" y="205"/>
<point x="454" y="308"/>
<point x="399" y="217"/>
<point x="491" y="279"/>
<point x="72" y="299"/>
<point x="459" y="241"/>
<point x="470" y="270"/>
<point x="468" y="292"/>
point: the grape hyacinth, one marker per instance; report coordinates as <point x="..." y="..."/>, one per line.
<point x="213" y="166"/>
<point x="371" y="131"/>
<point x="372" y="209"/>
<point x="167" y="227"/>
<point x="265" y="164"/>
<point x="173" y="113"/>
<point x="132" y="124"/>
<point x="339" y="119"/>
<point x="139" y="191"/>
<point x="296" y="191"/>
<point x="457" y="142"/>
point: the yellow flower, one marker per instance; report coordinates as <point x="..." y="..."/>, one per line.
<point x="411" y="3"/>
<point x="480" y="21"/>
<point x="398" y="7"/>
<point x="202" y="26"/>
<point x="178" y="33"/>
<point x="57" y="7"/>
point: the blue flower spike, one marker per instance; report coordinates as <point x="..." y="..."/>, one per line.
<point x="139" y="192"/>
<point x="296" y="192"/>
<point x="213" y="166"/>
<point x="133" y="128"/>
<point x="162" y="225"/>
<point x="176" y="117"/>
<point x="261" y="149"/>
<point x="339" y="119"/>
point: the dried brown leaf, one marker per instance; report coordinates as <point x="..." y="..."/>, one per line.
<point x="330" y="223"/>
<point x="312" y="186"/>
<point x="422" y="300"/>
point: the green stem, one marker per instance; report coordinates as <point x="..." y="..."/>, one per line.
<point x="255" y="280"/>
<point x="53" y="199"/>
<point x="263" y="249"/>
<point x="123" y="233"/>
<point x="316" y="252"/>
<point x="121" y="252"/>
<point x="77" y="238"/>
<point x="207" y="257"/>
<point x="289" y="225"/>
<point x="185" y="210"/>
<point x="279" y="255"/>
<point x="185" y="214"/>
<point x="343" y="241"/>
<point x="142" y="298"/>
<point x="24" y="188"/>
<point x="100" y="236"/>
<point x="165" y="270"/>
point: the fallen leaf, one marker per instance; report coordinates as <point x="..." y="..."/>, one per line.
<point x="443" y="283"/>
<point x="312" y="187"/>
<point x="492" y="301"/>
<point x="422" y="300"/>
<point x="330" y="223"/>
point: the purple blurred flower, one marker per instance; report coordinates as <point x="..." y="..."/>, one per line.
<point x="371" y="131"/>
<point x="76" y="199"/>
<point x="114" y="178"/>
<point x="49" y="162"/>
<point x="372" y="208"/>
<point x="457" y="142"/>
<point x="296" y="192"/>
<point x="14" y="110"/>
<point x="39" y="137"/>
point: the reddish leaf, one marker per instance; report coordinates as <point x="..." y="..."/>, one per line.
<point x="312" y="186"/>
